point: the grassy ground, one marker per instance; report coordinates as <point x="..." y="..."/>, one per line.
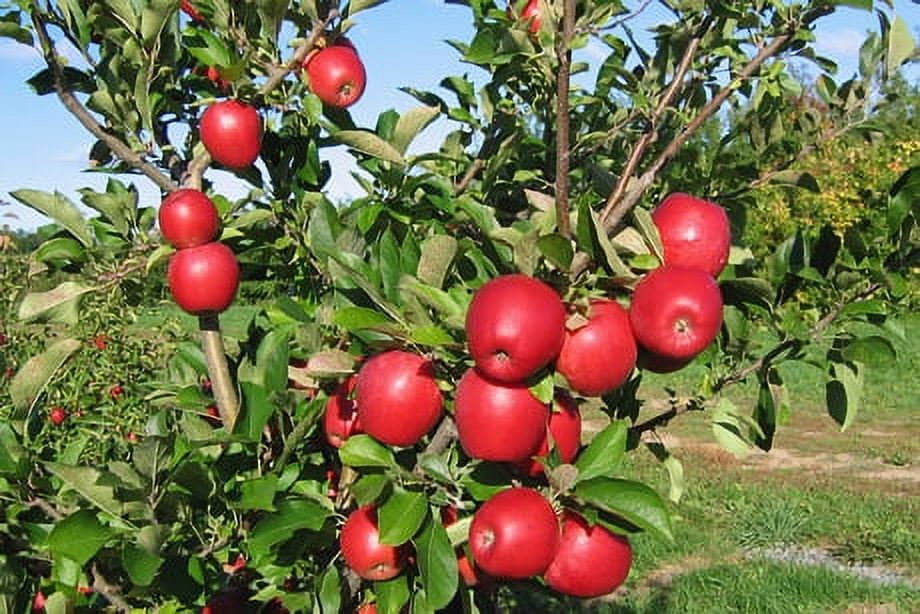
<point x="854" y="496"/>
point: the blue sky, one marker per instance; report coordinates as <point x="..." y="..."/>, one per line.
<point x="401" y="43"/>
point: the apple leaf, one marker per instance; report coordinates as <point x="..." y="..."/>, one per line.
<point x="369" y="488"/>
<point x="363" y="451"/>
<point x="58" y="208"/>
<point x="674" y="468"/>
<point x="649" y="231"/>
<point x="437" y="253"/>
<point x="60" y="248"/>
<point x="272" y="360"/>
<point x="900" y="44"/>
<point x="392" y="595"/>
<point x="89" y="483"/>
<point x="32" y="378"/>
<point x="141" y="565"/>
<point x="356" y="6"/>
<point x="605" y="452"/>
<point x="58" y="305"/>
<point x="844" y="393"/>
<point x="79" y="537"/>
<point x="557" y="249"/>
<point x="872" y="350"/>
<point x="16" y="32"/>
<point x="410" y="124"/>
<point x="293" y="515"/>
<point x="634" y="502"/>
<point x="400" y="516"/>
<point x="437" y="564"/>
<point x="330" y="592"/>
<point x="371" y="144"/>
<point x="543" y="389"/>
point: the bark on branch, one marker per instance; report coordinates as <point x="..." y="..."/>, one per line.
<point x="76" y="108"/>
<point x="563" y="147"/>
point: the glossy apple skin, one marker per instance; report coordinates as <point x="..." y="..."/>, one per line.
<point x="203" y="279"/>
<point x="340" y="418"/>
<point x="598" y="357"/>
<point x="695" y="233"/>
<point x="498" y="421"/>
<point x="659" y="364"/>
<point x="676" y="312"/>
<point x="188" y="218"/>
<point x="398" y="397"/>
<point x="232" y="133"/>
<point x="336" y="75"/>
<point x="515" y="326"/>
<point x="362" y="550"/>
<point x="590" y="561"/>
<point x="515" y="534"/>
<point x="565" y="428"/>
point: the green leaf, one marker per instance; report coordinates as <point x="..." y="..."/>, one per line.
<point x="747" y="290"/>
<point x="437" y="564"/>
<point x="727" y="430"/>
<point x="371" y="144"/>
<point x="58" y="208"/>
<point x="674" y="468"/>
<point x="873" y="350"/>
<point x="12" y="454"/>
<point x="765" y="412"/>
<point x="141" y="565"/>
<point x="900" y="44"/>
<point x="60" y="248"/>
<point x="360" y="318"/>
<point x="116" y="206"/>
<point x="632" y="501"/>
<point x="844" y="393"/>
<point x="437" y="254"/>
<point x="272" y="360"/>
<point x="605" y="452"/>
<point x="256" y="410"/>
<point x="392" y="595"/>
<point x="859" y="4"/>
<point x="363" y="451"/>
<point x="557" y="249"/>
<point x="649" y="231"/>
<point x="293" y="515"/>
<point x="369" y="488"/>
<point x="400" y="516"/>
<point x="16" y="32"/>
<point x="905" y="194"/>
<point x="79" y="537"/>
<point x="32" y="378"/>
<point x="258" y="494"/>
<point x="86" y="481"/>
<point x="435" y="298"/>
<point x="433" y="336"/>
<point x="801" y="179"/>
<point x="388" y="263"/>
<point x="410" y="124"/>
<point x="543" y="389"/>
<point x="58" y="305"/>
<point x="330" y="592"/>
<point x="153" y="17"/>
<point x="614" y="263"/>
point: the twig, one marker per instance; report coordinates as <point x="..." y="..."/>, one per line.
<point x="563" y="147"/>
<point x="618" y="210"/>
<point x="619" y="22"/>
<point x="471" y="172"/>
<point x="46" y="507"/>
<point x="440" y="441"/>
<point x="221" y="384"/>
<point x="651" y="134"/>
<point x="663" y="418"/>
<point x="109" y="591"/>
<point x="70" y="102"/>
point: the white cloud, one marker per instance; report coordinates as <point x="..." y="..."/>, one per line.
<point x="843" y="42"/>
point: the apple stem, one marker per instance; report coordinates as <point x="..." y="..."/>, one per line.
<point x="222" y="385"/>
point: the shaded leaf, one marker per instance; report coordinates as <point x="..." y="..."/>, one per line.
<point x="79" y="537"/>
<point x="58" y="305"/>
<point x="371" y="144"/>
<point x="437" y="564"/>
<point x="32" y="378"/>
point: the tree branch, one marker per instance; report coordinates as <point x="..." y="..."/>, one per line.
<point x="471" y="172"/>
<point x="651" y="134"/>
<point x="563" y="147"/>
<point x="296" y="60"/>
<point x="664" y="418"/>
<point x="618" y="209"/>
<point x="70" y="102"/>
<point x="109" y="591"/>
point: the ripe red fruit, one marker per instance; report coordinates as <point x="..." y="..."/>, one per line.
<point x="659" y="364"/>
<point x="467" y="570"/>
<point x="204" y="279"/>
<point x="340" y="419"/>
<point x="100" y="341"/>
<point x="9" y="372"/>
<point x="333" y="478"/>
<point x="532" y="12"/>
<point x="235" y="566"/>
<point x="498" y="421"/>
<point x="695" y="233"/>
<point x="3" y="339"/>
<point x="232" y="133"/>
<point x="116" y="391"/>
<point x="188" y="218"/>
<point x="676" y="312"/>
<point x="565" y="428"/>
<point x="515" y="326"/>
<point x="38" y="602"/>
<point x="590" y="562"/>
<point x="514" y="534"/>
<point x="598" y="357"/>
<point x="229" y="601"/>
<point x="133" y="437"/>
<point x="336" y="75"/>
<point x="368" y="608"/>
<point x="57" y="415"/>
<point x="362" y="550"/>
<point x="398" y="397"/>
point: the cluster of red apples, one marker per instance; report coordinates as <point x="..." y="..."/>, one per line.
<point x="518" y="328"/>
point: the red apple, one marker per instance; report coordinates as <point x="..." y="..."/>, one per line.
<point x="340" y="419"/>
<point x="514" y="534"/>
<point x="227" y="601"/>
<point x="515" y="326"/>
<point x="362" y="550"/>
<point x="532" y="12"/>
<point x="336" y="74"/>
<point x="204" y="279"/>
<point x="398" y="397"/>
<point x="232" y="133"/>
<point x="565" y="429"/>
<point x="188" y="218"/>
<point x="57" y="415"/>
<point x="659" y="364"/>
<point x="189" y="9"/>
<point x="676" y="312"/>
<point x="498" y="421"/>
<point x="598" y="357"/>
<point x="590" y="561"/>
<point x="368" y="608"/>
<point x="695" y="233"/>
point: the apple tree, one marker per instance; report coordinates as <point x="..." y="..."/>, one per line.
<point x="392" y="409"/>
